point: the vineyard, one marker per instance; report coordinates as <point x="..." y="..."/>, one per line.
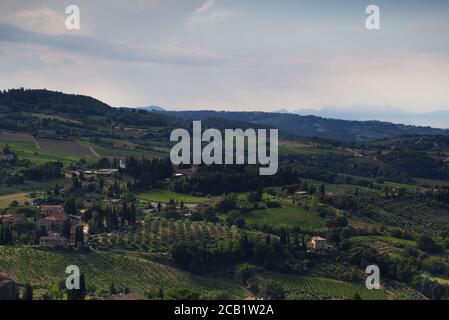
<point x="158" y="234"/>
<point x="400" y="291"/>
<point x="413" y="213"/>
<point x="323" y="288"/>
<point x="42" y="268"/>
<point x="385" y="244"/>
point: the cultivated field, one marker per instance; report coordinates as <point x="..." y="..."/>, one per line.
<point x="323" y="288"/>
<point x="160" y="195"/>
<point x="65" y="147"/>
<point x="15" y="137"/>
<point x="159" y="234"/>
<point x="123" y="148"/>
<point x="288" y="215"/>
<point x="42" y="268"/>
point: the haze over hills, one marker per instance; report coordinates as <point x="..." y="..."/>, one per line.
<point x="151" y="108"/>
<point x="18" y="109"/>
<point x="314" y="126"/>
<point x="362" y="112"/>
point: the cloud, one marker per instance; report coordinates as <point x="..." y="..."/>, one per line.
<point x="104" y="49"/>
<point x="208" y="14"/>
<point x="42" y="20"/>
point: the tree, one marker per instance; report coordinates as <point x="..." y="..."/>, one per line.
<point x="356" y="296"/>
<point x="244" y="272"/>
<point x="78" y="294"/>
<point x="28" y="292"/>
<point x="182" y="294"/>
<point x="70" y="206"/>
<point x="271" y="290"/>
<point x="112" y="289"/>
<point x="56" y="190"/>
<point x="322" y="190"/>
<point x="79" y="237"/>
<point x="208" y="215"/>
<point x="65" y="229"/>
<point x="428" y="244"/>
<point x="228" y="203"/>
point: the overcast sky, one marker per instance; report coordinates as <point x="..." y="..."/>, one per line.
<point x="231" y="54"/>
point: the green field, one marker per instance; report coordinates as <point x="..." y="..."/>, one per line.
<point x="30" y="186"/>
<point x="123" y="148"/>
<point x="288" y="215"/>
<point x="5" y="200"/>
<point x="65" y="147"/>
<point x="27" y="148"/>
<point x="297" y="148"/>
<point x="317" y="287"/>
<point x="391" y="240"/>
<point x="162" y="195"/>
<point x="42" y="268"/>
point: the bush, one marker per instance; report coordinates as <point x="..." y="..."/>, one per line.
<point x="182" y="294"/>
<point x="271" y="290"/>
<point x="428" y="244"/>
<point x="273" y="204"/>
<point x="244" y="272"/>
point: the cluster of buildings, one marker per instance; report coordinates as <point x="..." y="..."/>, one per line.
<point x="104" y="172"/>
<point x="51" y="219"/>
<point x="433" y="192"/>
<point x="13" y="219"/>
<point x="101" y="172"/>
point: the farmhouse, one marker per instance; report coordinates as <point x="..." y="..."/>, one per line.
<point x="52" y="217"/>
<point x="53" y="240"/>
<point x="335" y="194"/>
<point x="52" y="210"/>
<point x="9" y="287"/>
<point x="7" y="157"/>
<point x="425" y="191"/>
<point x="122" y="164"/>
<point x="106" y="172"/>
<point x="185" y="171"/>
<point x="317" y="243"/>
<point x="52" y="222"/>
<point x="9" y="218"/>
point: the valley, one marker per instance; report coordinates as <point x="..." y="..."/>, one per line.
<point x="100" y="192"/>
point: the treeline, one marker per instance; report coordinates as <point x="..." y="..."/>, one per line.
<point x="220" y="179"/>
<point x="47" y="171"/>
<point x="409" y="266"/>
<point x="101" y="218"/>
<point x="397" y="166"/>
<point x="272" y="253"/>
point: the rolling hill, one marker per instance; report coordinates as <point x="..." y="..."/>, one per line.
<point x="49" y="114"/>
<point x="315" y="127"/>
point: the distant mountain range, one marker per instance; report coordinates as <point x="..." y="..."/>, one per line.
<point x="313" y="126"/>
<point x="74" y="116"/>
<point x="436" y="119"/>
<point x="151" y="108"/>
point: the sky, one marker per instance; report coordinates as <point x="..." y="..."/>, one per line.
<point x="231" y="54"/>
